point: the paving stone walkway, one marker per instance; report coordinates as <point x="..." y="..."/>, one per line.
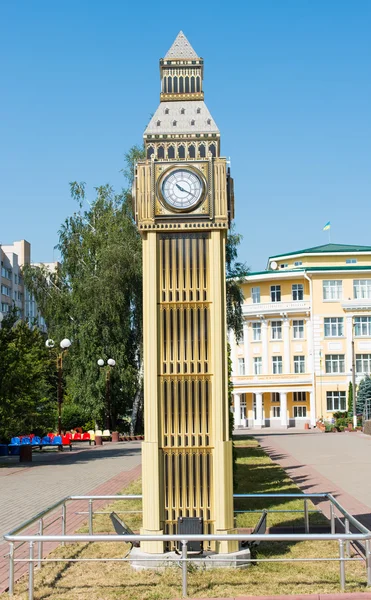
<point x="339" y="463"/>
<point x="27" y="490"/>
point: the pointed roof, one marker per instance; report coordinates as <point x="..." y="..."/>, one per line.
<point x="181" y="48"/>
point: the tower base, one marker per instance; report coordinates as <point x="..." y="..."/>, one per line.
<point x="207" y="560"/>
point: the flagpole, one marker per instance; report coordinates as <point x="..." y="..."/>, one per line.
<point x="329" y="235"/>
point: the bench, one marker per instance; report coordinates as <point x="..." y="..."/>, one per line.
<point x="59" y="446"/>
<point x="121" y="528"/>
<point x="260" y="528"/>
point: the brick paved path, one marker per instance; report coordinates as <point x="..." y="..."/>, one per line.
<point x="25" y="491"/>
<point x="338" y="463"/>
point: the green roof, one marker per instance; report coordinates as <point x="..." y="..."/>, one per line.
<point x="329" y="248"/>
<point x="311" y="270"/>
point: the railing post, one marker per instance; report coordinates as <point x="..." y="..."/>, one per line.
<point x="11" y="568"/>
<point x="332" y="516"/>
<point x="184" y="569"/>
<point x="347" y="543"/>
<point x="91" y="517"/>
<point x="306" y="516"/>
<point x="342" y="565"/>
<point x="40" y="544"/>
<point x="30" y="573"/>
<point x="64" y="520"/>
<point x="368" y="561"/>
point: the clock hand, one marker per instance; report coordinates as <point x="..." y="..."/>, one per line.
<point x="183" y="190"/>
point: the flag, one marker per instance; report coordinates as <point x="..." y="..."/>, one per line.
<point x="327" y="226"/>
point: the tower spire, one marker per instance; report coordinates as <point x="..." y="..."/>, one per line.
<point x="181" y="48"/>
<point x="181" y="72"/>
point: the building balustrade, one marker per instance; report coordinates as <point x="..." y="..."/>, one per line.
<point x="357" y="304"/>
<point x="273" y="308"/>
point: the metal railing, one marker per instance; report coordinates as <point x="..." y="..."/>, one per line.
<point x="361" y="539"/>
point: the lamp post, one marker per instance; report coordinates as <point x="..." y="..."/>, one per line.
<point x="110" y="363"/>
<point x="64" y="344"/>
<point x="354" y="376"/>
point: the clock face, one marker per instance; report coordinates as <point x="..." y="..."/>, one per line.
<point x="182" y="189"/>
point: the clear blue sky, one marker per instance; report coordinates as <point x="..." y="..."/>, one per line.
<point x="287" y="81"/>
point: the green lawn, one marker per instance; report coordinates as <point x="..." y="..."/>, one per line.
<point x="110" y="581"/>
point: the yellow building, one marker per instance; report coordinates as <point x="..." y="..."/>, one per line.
<point x="302" y="317"/>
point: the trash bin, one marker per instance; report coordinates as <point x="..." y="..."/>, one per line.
<point x="3" y="450"/>
<point x="115" y="436"/>
<point x="98" y="440"/>
<point x="25" y="454"/>
<point x="14" y="450"/>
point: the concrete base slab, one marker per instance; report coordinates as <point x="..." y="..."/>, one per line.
<point x="207" y="560"/>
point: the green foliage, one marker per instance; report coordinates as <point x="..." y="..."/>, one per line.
<point x="95" y="299"/>
<point x="27" y="387"/>
<point x="235" y="273"/>
<point x="73" y="415"/>
<point x="364" y="395"/>
<point x="350" y="399"/>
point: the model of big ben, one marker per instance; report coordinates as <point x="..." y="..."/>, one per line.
<point x="183" y="201"/>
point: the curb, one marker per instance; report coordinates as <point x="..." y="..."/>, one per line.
<point x="338" y="596"/>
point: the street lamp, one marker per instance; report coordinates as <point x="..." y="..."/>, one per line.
<point x="64" y="344"/>
<point x="111" y="363"/>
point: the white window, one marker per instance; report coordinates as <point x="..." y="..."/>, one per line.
<point x="276" y="293"/>
<point x="335" y="363"/>
<point x="300" y="412"/>
<point x="298" y="263"/>
<point x="284" y="266"/>
<point x="277" y="365"/>
<point x="350" y="261"/>
<point x="256" y="332"/>
<point x="276" y="412"/>
<point x="255" y="295"/>
<point x="336" y="401"/>
<point x="363" y="363"/>
<point x="334" y="326"/>
<point x="5" y="290"/>
<point x="298" y="329"/>
<point x="332" y="289"/>
<point x="362" y="288"/>
<point x="275" y="397"/>
<point x="297" y="291"/>
<point x="4" y="307"/>
<point x="362" y="326"/>
<point x="257" y="365"/>
<point x="276" y="330"/>
<point x="299" y="364"/>
<point x="241" y="366"/>
<point x="300" y="396"/>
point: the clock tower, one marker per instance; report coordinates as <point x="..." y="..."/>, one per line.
<point x="183" y="203"/>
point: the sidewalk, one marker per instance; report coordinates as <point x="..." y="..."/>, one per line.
<point x="111" y="486"/>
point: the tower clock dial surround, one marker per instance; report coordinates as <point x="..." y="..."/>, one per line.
<point x="182" y="189"/>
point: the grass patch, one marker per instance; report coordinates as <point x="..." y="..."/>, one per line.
<point x="110" y="581"/>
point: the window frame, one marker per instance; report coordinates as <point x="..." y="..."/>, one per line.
<point x="256" y="331"/>
<point x="363" y="320"/>
<point x="331" y="360"/>
<point x="299" y="397"/>
<point x="332" y="396"/>
<point x="336" y="290"/>
<point x="299" y="364"/>
<point x="275" y="292"/>
<point x="296" y="328"/>
<point x="276" y="329"/>
<point x="362" y="284"/>
<point x="361" y="358"/>
<point x="277" y="365"/>
<point x="257" y="365"/>
<point x="299" y="291"/>
<point x="334" y="324"/>
<point x="299" y="408"/>
<point x="276" y="411"/>
<point x="241" y="363"/>
<point x="255" y="293"/>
